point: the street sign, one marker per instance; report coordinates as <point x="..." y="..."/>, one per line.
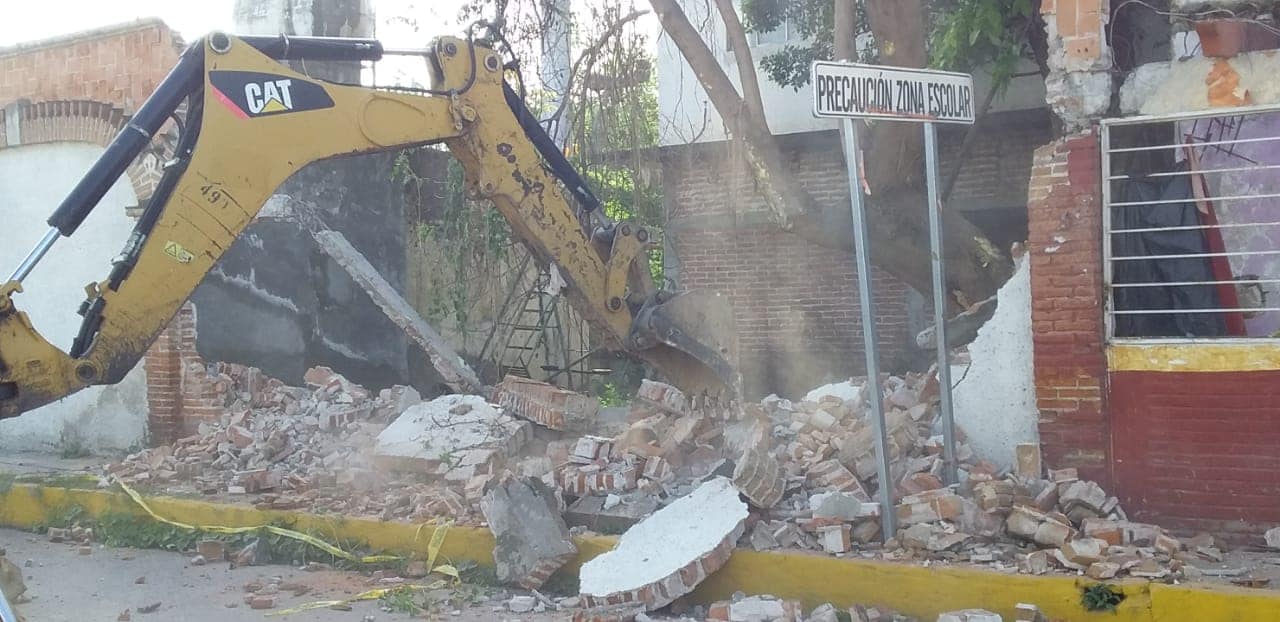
<point x="854" y="91"/>
<point x="850" y="91"/>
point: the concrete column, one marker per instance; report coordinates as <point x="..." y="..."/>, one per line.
<point x="1079" y="85"/>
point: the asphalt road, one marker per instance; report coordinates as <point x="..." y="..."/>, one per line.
<point x="65" y="586"/>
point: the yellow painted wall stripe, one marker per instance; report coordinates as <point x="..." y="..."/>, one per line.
<point x="1194" y="357"/>
<point x="922" y="592"/>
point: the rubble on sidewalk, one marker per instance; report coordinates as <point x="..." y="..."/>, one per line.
<point x="308" y="448"/>
<point x="971" y="615"/>
<point x="807" y="468"/>
<point x="532" y="539"/>
<point x="768" y="608"/>
<point x="669" y="553"/>
<point x="453" y="436"/>
<point x="546" y="405"/>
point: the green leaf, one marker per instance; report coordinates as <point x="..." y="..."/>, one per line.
<point x="447" y="570"/>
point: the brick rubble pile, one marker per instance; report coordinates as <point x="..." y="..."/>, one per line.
<point x="535" y="459"/>
<point x="307" y="448"/>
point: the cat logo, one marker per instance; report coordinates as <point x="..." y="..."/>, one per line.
<point x="270" y="96"/>
<point x="251" y="94"/>
<point x="175" y="250"/>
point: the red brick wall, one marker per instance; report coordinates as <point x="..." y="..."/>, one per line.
<point x="119" y="65"/>
<point x="1198" y="451"/>
<point x="181" y="392"/>
<point x="1065" y="242"/>
<point x="795" y="304"/>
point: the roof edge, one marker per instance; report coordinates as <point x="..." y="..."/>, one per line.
<point x="88" y="35"/>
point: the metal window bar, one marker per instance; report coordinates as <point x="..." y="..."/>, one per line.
<point x="1194" y="255"/>
<point x="1208" y="143"/>
<point x="1209" y="171"/>
<point x="1190" y="283"/>
<point x="1192" y="311"/>
<point x="1233" y="225"/>
<point x="1243" y="197"/>
<point x="1214" y="136"/>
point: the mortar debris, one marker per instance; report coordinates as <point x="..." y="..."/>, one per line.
<point x="807" y="469"/>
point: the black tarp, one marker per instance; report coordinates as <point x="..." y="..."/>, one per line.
<point x="1182" y="242"/>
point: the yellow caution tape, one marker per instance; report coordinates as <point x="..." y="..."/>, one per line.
<point x="280" y="531"/>
<point x="433" y="550"/>
<point x="369" y="595"/>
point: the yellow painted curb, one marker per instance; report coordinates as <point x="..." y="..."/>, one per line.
<point x="1194" y="357"/>
<point x="919" y="591"/>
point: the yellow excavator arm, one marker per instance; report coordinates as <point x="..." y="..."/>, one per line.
<point x="251" y="122"/>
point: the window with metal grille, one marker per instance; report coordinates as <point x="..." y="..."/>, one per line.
<point x="1191" y="240"/>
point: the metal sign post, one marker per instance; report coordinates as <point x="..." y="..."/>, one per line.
<point x="875" y="397"/>
<point x="851" y="91"/>
<point x="940" y="305"/>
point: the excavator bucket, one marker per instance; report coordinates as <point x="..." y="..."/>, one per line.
<point x="692" y="340"/>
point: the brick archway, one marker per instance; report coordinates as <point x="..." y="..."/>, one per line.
<point x="77" y="121"/>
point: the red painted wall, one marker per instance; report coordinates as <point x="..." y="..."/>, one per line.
<point x="1198" y="451"/>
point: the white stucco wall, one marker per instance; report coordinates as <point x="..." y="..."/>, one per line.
<point x="33" y="181"/>
<point x="995" y="404"/>
<point x="686" y="115"/>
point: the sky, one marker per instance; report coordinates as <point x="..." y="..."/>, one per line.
<point x="29" y="21"/>
<point x="41" y="19"/>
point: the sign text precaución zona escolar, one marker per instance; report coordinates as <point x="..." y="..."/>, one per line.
<point x="892" y="94"/>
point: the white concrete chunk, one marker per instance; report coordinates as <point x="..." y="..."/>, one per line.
<point x="970" y="615"/>
<point x="432" y="437"/>
<point x="666" y="555"/>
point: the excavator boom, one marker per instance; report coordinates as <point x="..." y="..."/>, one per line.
<point x="251" y="122"/>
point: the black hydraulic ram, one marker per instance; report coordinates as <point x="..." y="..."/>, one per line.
<point x="183" y="81"/>
<point x="185" y="78"/>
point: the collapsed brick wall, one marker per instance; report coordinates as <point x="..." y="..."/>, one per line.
<point x="795" y="304"/>
<point x="181" y="392"/>
<point x="1065" y="242"/>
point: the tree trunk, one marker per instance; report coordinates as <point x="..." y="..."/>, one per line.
<point x="897" y="220"/>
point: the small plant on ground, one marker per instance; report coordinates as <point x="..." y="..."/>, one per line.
<point x="1101" y="597"/>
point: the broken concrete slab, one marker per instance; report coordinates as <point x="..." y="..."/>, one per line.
<point x="669" y="553"/>
<point x="756" y="609"/>
<point x="532" y="539"/>
<point x="1272" y="537"/>
<point x="455" y="371"/>
<point x="455" y="435"/>
<point x="842" y="505"/>
<point x="546" y="405"/>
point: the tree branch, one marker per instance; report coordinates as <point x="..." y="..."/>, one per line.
<point x="589" y="55"/>
<point x="896" y="215"/>
<point x="737" y="36"/>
